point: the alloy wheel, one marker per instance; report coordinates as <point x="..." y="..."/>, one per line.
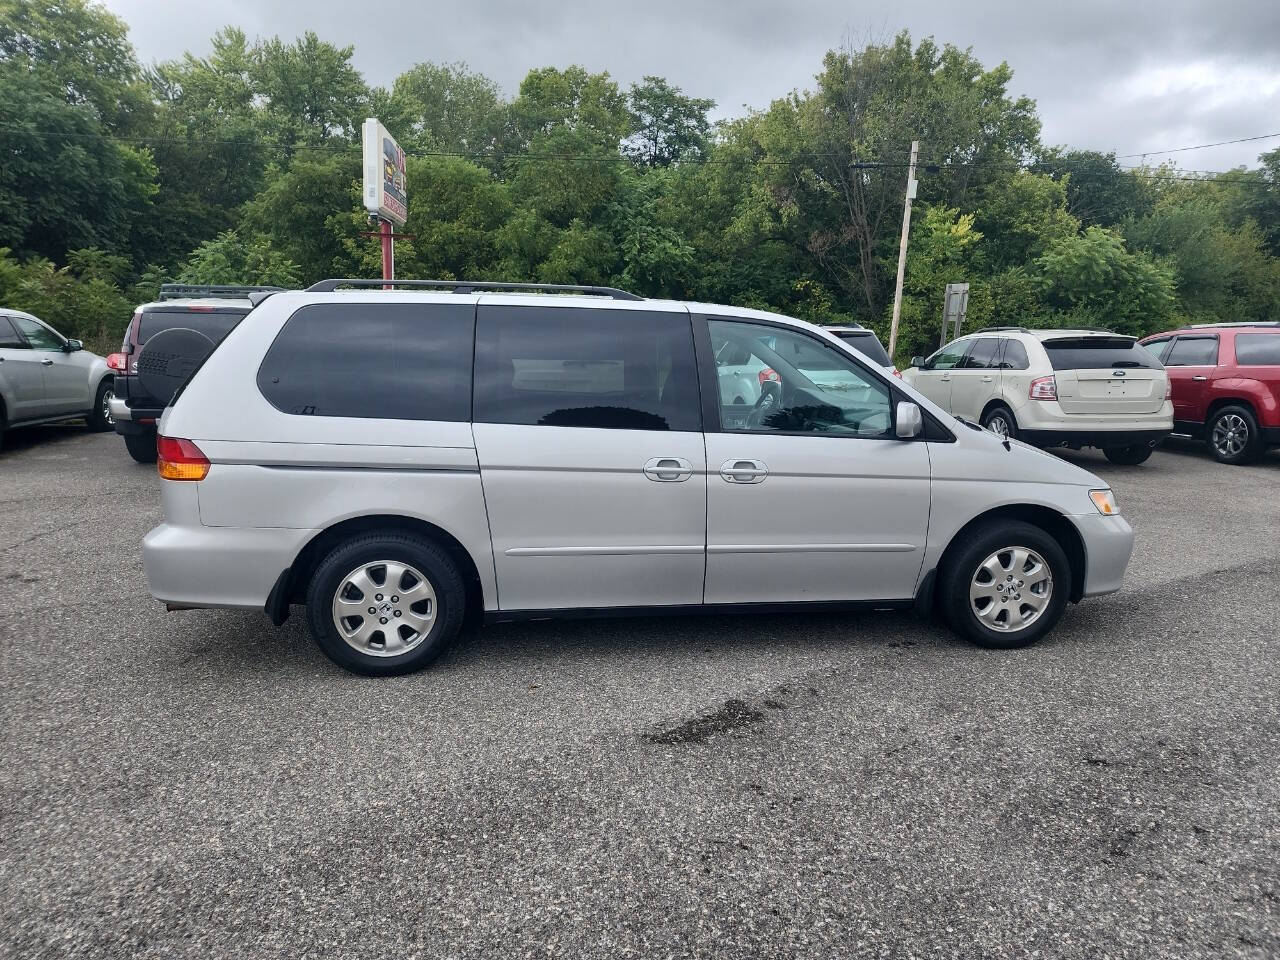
<point x="999" y="426"/>
<point x="1230" y="435"/>
<point x="1011" y="589"/>
<point x="107" y="396"/>
<point x="384" y="608"/>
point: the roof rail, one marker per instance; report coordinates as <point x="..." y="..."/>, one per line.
<point x="467" y="286"/>
<point x="996" y="330"/>
<point x="1244" y="323"/>
<point x="174" y="291"/>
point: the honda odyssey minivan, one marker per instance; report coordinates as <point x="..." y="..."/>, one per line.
<point x="393" y="458"/>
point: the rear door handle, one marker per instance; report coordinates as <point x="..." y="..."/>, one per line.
<point x="986" y="379"/>
<point x="668" y="469"/>
<point x="945" y="379"/>
<point x="1199" y="379"/>
<point x="743" y="471"/>
<point x="47" y="362"/>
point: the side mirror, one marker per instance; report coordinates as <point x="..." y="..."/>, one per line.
<point x="918" y="362"/>
<point x="71" y="346"/>
<point x="909" y="420"/>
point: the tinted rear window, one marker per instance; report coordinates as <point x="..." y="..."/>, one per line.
<point x="866" y="343"/>
<point x="388" y="361"/>
<point x="1095" y="353"/>
<point x="1258" y="349"/>
<point x="215" y="326"/>
<point x="586" y="367"/>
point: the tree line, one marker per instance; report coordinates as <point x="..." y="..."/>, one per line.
<point x="243" y="165"/>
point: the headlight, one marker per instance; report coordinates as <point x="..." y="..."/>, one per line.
<point x="1105" y="501"/>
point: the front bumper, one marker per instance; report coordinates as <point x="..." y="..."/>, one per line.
<point x="1108" y="545"/>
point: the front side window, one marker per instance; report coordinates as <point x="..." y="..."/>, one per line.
<point x="386" y="361"/>
<point x="9" y="339"/>
<point x="1193" y="352"/>
<point x="949" y="356"/>
<point x="1258" y="349"/>
<point x="984" y="355"/>
<point x="1157" y="347"/>
<point x="776" y="380"/>
<point x="559" y="366"/>
<point x="38" y="335"/>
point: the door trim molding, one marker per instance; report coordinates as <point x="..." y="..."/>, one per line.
<point x="812" y="548"/>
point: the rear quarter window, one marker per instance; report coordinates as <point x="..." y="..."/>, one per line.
<point x="1095" y="353"/>
<point x="385" y="361"/>
<point x="1258" y="349"/>
<point x="214" y="325"/>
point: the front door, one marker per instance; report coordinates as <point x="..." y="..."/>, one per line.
<point x="934" y="378"/>
<point x="65" y="378"/>
<point x="588" y="429"/>
<point x="810" y="496"/>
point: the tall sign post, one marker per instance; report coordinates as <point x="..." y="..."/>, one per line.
<point x="386" y="194"/>
<point x="955" y="305"/>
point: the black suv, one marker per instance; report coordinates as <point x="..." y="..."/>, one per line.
<point x="211" y="311"/>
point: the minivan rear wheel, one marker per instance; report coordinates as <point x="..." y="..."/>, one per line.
<point x="1007" y="585"/>
<point x="383" y="604"/>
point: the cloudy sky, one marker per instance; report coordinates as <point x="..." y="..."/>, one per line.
<point x="1123" y="75"/>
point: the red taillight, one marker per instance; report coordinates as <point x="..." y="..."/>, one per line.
<point x="897" y="372"/>
<point x="180" y="459"/>
<point x="766" y="375"/>
<point x="1168" y="389"/>
<point x="200" y="309"/>
<point x="1043" y="388"/>
<point x="119" y="362"/>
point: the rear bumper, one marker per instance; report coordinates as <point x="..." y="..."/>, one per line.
<point x="197" y="566"/>
<point x="1108" y="545"/>
<point x="119" y="409"/>
<point x="131" y="421"/>
<point x="1093" y="437"/>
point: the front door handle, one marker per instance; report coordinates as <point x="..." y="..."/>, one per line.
<point x="1199" y="379"/>
<point x="986" y="379"/>
<point x="668" y="469"/>
<point x="47" y="363"/>
<point x="945" y="379"/>
<point x="743" y="471"/>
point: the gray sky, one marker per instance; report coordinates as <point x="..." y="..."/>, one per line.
<point x="1126" y="75"/>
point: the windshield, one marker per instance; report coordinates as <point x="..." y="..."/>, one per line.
<point x="1095" y="353"/>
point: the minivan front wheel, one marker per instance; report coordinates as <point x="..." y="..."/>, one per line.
<point x="1007" y="586"/>
<point x="385" y="603"/>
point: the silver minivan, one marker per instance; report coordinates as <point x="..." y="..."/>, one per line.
<point x="397" y="460"/>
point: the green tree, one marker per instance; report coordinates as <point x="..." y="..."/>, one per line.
<point x="1099" y="193"/>
<point x="669" y="126"/>
<point x="445" y="107"/>
<point x="310" y="92"/>
<point x="230" y="259"/>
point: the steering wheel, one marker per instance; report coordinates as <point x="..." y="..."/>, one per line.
<point x="770" y="400"/>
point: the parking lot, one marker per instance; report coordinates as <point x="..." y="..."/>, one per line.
<point x="201" y="784"/>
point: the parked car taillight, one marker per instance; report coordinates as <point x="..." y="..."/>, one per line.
<point x="1043" y="388"/>
<point x="178" y="459"/>
<point x="767" y="374"/>
<point x="1168" y="389"/>
<point x="119" y="362"/>
<point x="897" y="372"/>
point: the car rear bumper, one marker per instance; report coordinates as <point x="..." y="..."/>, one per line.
<point x="1108" y="545"/>
<point x="197" y="566"/>
<point x="1094" y="437"/>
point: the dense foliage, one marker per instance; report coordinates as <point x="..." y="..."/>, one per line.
<point x="242" y="166"/>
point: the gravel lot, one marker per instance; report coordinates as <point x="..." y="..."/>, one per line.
<point x="200" y="784"/>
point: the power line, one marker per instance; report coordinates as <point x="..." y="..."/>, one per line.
<point x="1199" y="146"/>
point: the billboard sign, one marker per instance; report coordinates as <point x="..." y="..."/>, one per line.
<point x="385" y="191"/>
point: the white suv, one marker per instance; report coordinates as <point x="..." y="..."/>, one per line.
<point x="395" y="459"/>
<point x="1072" y="388"/>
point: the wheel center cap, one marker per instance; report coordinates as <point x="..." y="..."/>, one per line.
<point x="386" y="607"/>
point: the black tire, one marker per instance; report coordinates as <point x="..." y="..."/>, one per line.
<point x="436" y="567"/>
<point x="1129" y="456"/>
<point x="99" y="420"/>
<point x="1232" y="435"/>
<point x="141" y="446"/>
<point x="1004" y="414"/>
<point x="980" y="543"/>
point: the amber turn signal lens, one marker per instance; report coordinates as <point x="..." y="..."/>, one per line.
<point x="180" y="460"/>
<point x="1105" y="501"/>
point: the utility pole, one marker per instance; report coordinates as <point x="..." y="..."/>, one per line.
<point x="902" y="249"/>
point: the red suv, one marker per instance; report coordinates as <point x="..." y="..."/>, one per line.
<point x="1225" y="379"/>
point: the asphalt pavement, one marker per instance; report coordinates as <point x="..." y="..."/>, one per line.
<point x="202" y="784"/>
